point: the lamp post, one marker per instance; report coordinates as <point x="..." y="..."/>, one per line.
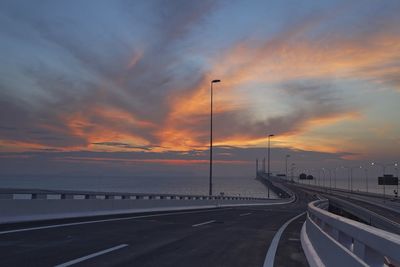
<point x="269" y="160"/>
<point x="383" y="177"/>
<point x="349" y="178"/>
<point x="286" y="161"/>
<point x="397" y="174"/>
<point x="366" y="177"/>
<point x="211" y="135"/>
<point x="323" y="180"/>
<point x="293" y="166"/>
<point x="269" y="153"/>
<point x="335" y="176"/>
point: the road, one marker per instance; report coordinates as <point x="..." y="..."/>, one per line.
<point x="238" y="236"/>
<point x="388" y="210"/>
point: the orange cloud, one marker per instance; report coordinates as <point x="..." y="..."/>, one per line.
<point x="284" y="59"/>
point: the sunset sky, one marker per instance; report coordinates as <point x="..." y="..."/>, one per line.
<point x="89" y="87"/>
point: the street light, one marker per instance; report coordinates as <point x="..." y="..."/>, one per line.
<point x="286" y="159"/>
<point x="269" y="153"/>
<point x="397" y="172"/>
<point x="211" y="135"/>
<point x="323" y="181"/>
<point x="384" y="179"/>
<point x="366" y="177"/>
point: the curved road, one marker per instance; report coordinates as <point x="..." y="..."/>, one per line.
<point x="216" y="237"/>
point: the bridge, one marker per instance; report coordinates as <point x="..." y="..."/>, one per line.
<point x="306" y="226"/>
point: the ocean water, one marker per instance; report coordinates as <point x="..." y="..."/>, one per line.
<point x="362" y="181"/>
<point x="233" y="186"/>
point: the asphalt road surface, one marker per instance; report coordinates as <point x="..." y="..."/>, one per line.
<point x="216" y="237"/>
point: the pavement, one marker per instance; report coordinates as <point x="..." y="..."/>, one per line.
<point x="239" y="236"/>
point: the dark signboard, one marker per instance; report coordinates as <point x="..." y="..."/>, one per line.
<point x="310" y="177"/>
<point x="388" y="179"/>
<point x="303" y="176"/>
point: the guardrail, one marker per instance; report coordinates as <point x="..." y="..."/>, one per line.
<point x="332" y="240"/>
<point x="22" y="205"/>
<point x="30" y="194"/>
<point x="277" y="188"/>
<point x="368" y="216"/>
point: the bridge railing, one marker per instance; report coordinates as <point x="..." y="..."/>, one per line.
<point x="332" y="240"/>
<point x="22" y="205"/>
<point x="29" y="194"/>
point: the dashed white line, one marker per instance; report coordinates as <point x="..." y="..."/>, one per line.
<point x="105" y="220"/>
<point x="244" y="214"/>
<point x="69" y="263"/>
<point x="203" y="223"/>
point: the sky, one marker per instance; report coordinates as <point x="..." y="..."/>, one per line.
<point x="123" y="87"/>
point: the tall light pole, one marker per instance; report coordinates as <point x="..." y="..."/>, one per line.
<point x="397" y="172"/>
<point x="211" y="135"/>
<point x="269" y="153"/>
<point x="383" y="177"/>
<point x="286" y="160"/>
<point x="366" y="177"/>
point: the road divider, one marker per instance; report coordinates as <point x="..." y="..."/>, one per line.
<point x="20" y="205"/>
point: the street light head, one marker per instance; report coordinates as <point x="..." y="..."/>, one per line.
<point x="372" y="163"/>
<point x="215" y="81"/>
<point x="271" y="135"/>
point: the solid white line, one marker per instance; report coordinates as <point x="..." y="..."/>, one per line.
<point x="69" y="263"/>
<point x="245" y="214"/>
<point x="105" y="220"/>
<point x="270" y="258"/>
<point x="203" y="223"/>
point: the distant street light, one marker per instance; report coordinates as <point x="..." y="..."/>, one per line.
<point x="323" y="181"/>
<point x="269" y="153"/>
<point x="269" y="160"/>
<point x="211" y="135"/>
<point x="366" y="177"/>
<point x="383" y="176"/>
<point x="397" y="174"/>
<point x="286" y="161"/>
<point x="349" y="178"/>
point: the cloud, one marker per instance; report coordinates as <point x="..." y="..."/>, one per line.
<point x="105" y="84"/>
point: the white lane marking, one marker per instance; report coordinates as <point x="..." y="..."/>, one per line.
<point x="69" y="263"/>
<point x="105" y="220"/>
<point x="203" y="223"/>
<point x="293" y="239"/>
<point x="270" y="258"/>
<point x="244" y="214"/>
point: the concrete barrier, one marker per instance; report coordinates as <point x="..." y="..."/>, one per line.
<point x="332" y="240"/>
<point x="32" y="205"/>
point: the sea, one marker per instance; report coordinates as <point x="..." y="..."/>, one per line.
<point x="361" y="181"/>
<point x="232" y="186"/>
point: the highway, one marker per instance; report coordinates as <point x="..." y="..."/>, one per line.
<point x="240" y="236"/>
<point x="388" y="209"/>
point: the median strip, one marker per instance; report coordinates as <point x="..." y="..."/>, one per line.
<point x="69" y="263"/>
<point x="203" y="223"/>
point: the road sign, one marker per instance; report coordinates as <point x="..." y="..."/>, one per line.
<point x="388" y="179"/>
